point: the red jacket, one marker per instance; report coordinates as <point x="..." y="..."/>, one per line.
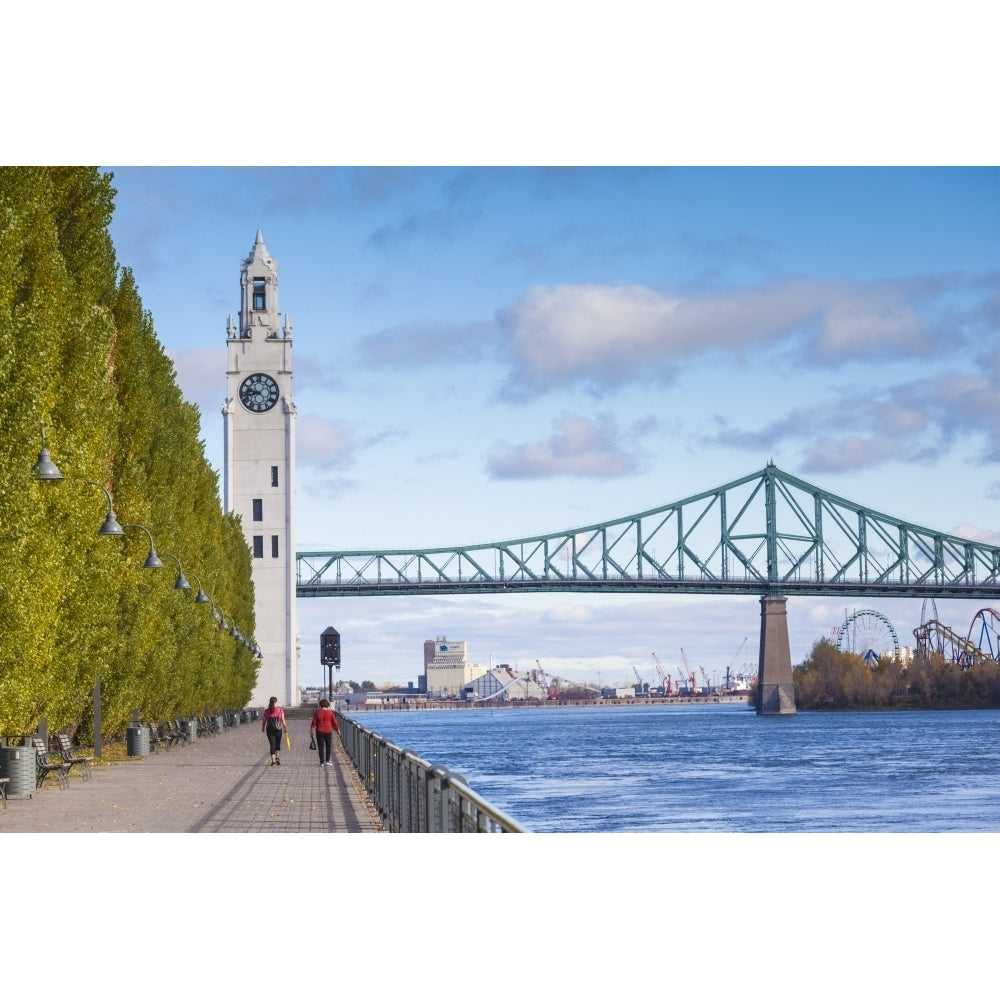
<point x="324" y="721"/>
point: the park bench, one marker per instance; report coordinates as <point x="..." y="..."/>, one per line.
<point x="156" y="737"/>
<point x="46" y="764"/>
<point x="72" y="759"/>
<point x="179" y="732"/>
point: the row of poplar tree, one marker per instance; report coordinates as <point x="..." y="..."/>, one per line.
<point x="80" y="363"/>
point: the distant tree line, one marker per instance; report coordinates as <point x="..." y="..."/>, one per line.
<point x="831" y="679"/>
<point x="80" y="361"/>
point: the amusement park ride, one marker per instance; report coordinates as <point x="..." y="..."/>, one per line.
<point x="871" y="634"/>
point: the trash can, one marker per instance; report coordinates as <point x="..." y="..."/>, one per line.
<point x="17" y="765"/>
<point x="217" y="722"/>
<point x="192" y="728"/>
<point x="137" y="741"/>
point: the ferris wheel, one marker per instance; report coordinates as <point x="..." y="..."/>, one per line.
<point x="869" y="634"/>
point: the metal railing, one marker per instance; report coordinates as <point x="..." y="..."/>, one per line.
<point x="412" y="796"/>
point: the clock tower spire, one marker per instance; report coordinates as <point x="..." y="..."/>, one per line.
<point x="259" y="443"/>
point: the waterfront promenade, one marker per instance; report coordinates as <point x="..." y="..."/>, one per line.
<point x="218" y="784"/>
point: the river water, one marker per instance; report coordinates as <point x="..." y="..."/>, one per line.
<point x="716" y="768"/>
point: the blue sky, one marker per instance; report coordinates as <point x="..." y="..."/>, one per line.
<point x="486" y="353"/>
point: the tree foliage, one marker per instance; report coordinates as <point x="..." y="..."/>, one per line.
<point x="81" y="363"/>
<point x="828" y="678"/>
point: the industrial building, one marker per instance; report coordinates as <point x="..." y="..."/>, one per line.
<point x="447" y="669"/>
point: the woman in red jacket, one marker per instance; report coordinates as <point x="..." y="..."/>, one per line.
<point x="324" y="722"/>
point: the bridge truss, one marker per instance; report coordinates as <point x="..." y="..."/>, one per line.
<point x="767" y="533"/>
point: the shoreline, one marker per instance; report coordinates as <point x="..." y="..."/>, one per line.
<point x="445" y="704"/>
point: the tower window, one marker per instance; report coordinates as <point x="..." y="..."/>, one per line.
<point x="274" y="475"/>
<point x="258" y="510"/>
<point x="274" y="546"/>
<point x="258" y="546"/>
<point x="259" y="298"/>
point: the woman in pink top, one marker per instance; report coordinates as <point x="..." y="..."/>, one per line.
<point x="274" y="726"/>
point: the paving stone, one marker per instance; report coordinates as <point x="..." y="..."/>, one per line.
<point x="219" y="784"/>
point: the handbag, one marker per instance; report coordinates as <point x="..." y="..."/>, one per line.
<point x="312" y="740"/>
<point x="288" y="740"/>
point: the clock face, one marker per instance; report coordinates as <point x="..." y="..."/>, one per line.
<point x="258" y="392"/>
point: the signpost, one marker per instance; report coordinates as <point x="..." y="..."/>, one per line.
<point x="329" y="655"/>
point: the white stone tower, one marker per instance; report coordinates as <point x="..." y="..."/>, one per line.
<point x="259" y="418"/>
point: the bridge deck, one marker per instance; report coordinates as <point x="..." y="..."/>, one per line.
<point x="219" y="784"/>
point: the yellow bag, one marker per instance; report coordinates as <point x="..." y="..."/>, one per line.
<point x="288" y="740"/>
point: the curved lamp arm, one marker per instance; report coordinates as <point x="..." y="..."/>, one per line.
<point x="111" y="525"/>
<point x="152" y="560"/>
<point x="181" y="583"/>
<point x="201" y="597"/>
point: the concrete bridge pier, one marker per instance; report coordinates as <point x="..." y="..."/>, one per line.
<point x="775" y="690"/>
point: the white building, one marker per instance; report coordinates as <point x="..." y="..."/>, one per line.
<point x="504" y="684"/>
<point x="259" y="442"/>
<point x="447" y="669"/>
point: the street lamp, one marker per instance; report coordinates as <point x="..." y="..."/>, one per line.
<point x="111" y="525"/>
<point x="201" y="597"/>
<point x="181" y="583"/>
<point x="45" y="468"/>
<point x="152" y="560"/>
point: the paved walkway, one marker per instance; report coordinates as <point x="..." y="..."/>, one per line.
<point x="219" y="784"/>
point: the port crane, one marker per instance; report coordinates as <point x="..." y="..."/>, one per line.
<point x="691" y="679"/>
<point x="542" y="679"/>
<point x="552" y="685"/>
<point x="641" y="686"/>
<point x="665" y="679"/>
<point x="729" y="674"/>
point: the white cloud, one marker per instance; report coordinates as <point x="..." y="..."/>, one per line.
<point x="606" y="334"/>
<point x="875" y="322"/>
<point x="324" y="443"/>
<point x="198" y="376"/>
<point x="848" y="453"/>
<point x="430" y="343"/>
<point x="974" y="534"/>
<point x="914" y="421"/>
<point x="578" y="447"/>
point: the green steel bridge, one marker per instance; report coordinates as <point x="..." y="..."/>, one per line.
<point x="766" y="534"/>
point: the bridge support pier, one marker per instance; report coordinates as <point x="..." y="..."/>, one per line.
<point x="775" y="690"/>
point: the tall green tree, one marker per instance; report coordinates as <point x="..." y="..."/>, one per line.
<point x="80" y="363"/>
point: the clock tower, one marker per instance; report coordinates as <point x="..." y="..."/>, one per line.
<point x="259" y="443"/>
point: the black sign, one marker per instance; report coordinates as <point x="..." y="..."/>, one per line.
<point x="329" y="647"/>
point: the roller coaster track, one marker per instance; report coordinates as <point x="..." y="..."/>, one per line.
<point x="933" y="637"/>
<point x="768" y="533"/>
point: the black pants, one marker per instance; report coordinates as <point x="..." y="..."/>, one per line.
<point x="324" y="743"/>
<point x="274" y="739"/>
